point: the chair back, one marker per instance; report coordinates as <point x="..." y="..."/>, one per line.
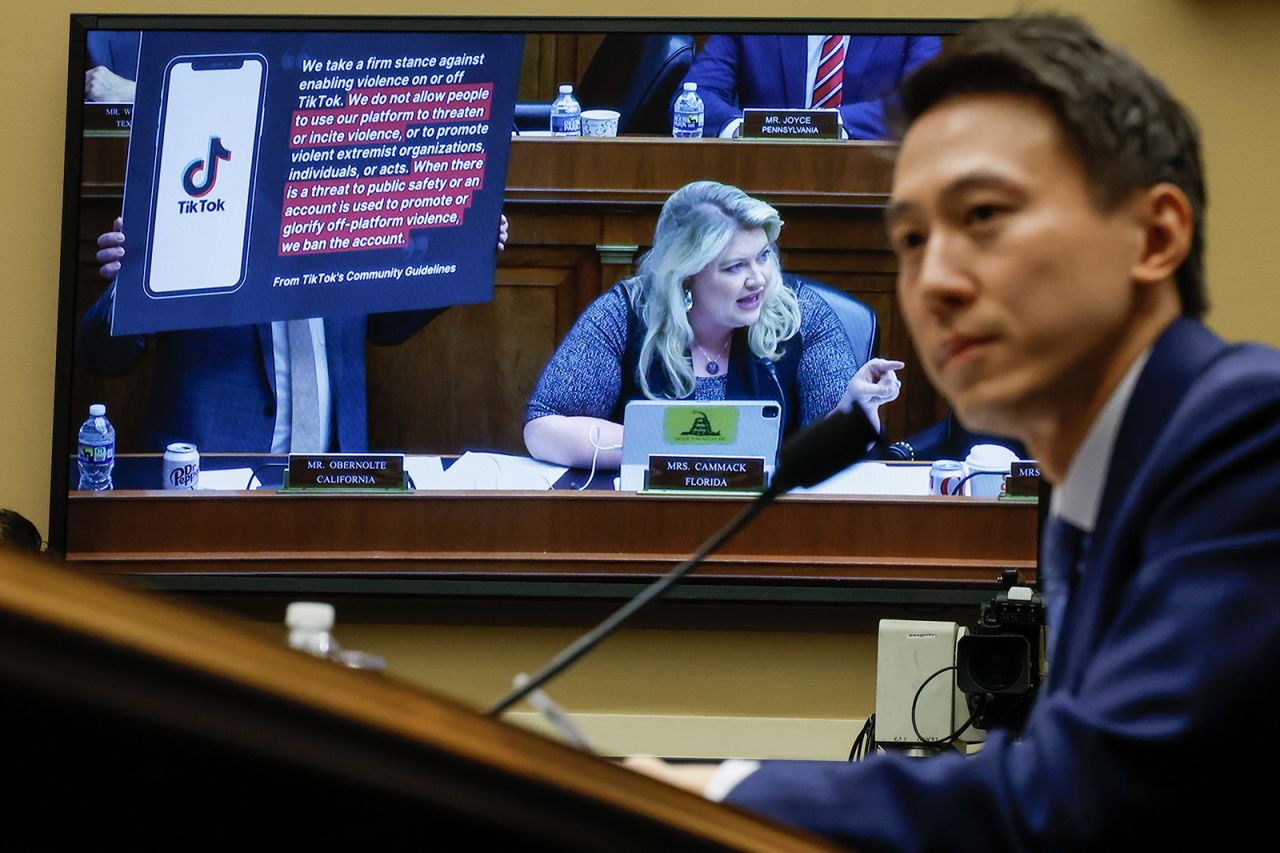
<point x="856" y="316"/>
<point x="633" y="73"/>
<point x="637" y="75"/>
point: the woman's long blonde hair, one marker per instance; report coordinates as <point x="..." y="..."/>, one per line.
<point x="695" y="225"/>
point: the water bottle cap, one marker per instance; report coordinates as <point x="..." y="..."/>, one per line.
<point x="309" y="615"/>
<point x="565" y="88"/>
<point x="97" y="410"/>
<point x="690" y="87"/>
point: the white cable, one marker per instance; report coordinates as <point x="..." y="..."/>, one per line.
<point x="593" y="436"/>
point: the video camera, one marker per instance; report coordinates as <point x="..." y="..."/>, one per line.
<point x="999" y="662"/>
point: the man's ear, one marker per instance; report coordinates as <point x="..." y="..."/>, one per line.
<point x="1169" y="224"/>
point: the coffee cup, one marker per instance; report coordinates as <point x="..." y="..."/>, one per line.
<point x="986" y="469"/>
<point x="600" y="122"/>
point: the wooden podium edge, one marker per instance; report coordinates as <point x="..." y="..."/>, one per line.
<point x="315" y="714"/>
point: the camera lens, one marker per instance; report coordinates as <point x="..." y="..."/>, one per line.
<point x="998" y="668"/>
<point x="998" y="663"/>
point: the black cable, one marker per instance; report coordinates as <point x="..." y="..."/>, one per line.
<point x="949" y="738"/>
<point x="248" y="487"/>
<point x="958" y="488"/>
<point x="865" y="741"/>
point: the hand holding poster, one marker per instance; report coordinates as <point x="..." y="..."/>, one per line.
<point x="275" y="176"/>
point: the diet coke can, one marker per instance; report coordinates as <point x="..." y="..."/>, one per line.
<point x="945" y="477"/>
<point x="181" y="466"/>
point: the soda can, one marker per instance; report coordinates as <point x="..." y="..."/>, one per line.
<point x="181" y="466"/>
<point x="945" y="476"/>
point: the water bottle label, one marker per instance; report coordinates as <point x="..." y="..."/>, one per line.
<point x="570" y="125"/>
<point x="97" y="454"/>
<point x="689" y="121"/>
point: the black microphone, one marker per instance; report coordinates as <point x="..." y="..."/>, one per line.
<point x="807" y="458"/>
<point x="822" y="449"/>
<point x="782" y="395"/>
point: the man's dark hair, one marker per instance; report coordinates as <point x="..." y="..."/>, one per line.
<point x="17" y="531"/>
<point x="1125" y="127"/>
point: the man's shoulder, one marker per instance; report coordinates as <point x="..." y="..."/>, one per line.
<point x="1192" y="365"/>
<point x="1224" y="417"/>
<point x="1253" y="359"/>
<point x="1243" y="377"/>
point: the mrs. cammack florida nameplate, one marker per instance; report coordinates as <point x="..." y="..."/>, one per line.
<point x="790" y="124"/>
<point x="346" y="471"/>
<point x="706" y="474"/>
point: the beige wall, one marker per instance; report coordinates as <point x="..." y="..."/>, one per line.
<point x="1218" y="55"/>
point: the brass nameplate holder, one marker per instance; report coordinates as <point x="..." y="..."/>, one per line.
<point x="346" y="472"/>
<point x="807" y="125"/>
<point x="703" y="474"/>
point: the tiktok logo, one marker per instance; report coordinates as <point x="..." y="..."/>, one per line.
<point x="216" y="153"/>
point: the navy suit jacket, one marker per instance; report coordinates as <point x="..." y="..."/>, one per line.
<point x="1157" y="712"/>
<point x="736" y="72"/>
<point x="115" y="51"/>
<point x="216" y="387"/>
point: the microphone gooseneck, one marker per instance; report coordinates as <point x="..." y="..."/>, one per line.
<point x="782" y="395"/>
<point x="807" y="458"/>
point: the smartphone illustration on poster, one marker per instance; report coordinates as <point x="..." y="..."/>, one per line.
<point x="206" y="163"/>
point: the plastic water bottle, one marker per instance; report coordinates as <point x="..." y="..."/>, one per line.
<point x="566" y="113"/>
<point x="310" y="626"/>
<point x="690" y="114"/>
<point x="97" y="451"/>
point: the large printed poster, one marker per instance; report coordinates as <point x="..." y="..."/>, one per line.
<point x="275" y="176"/>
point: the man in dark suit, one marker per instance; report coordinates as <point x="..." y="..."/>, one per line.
<point x="218" y="387"/>
<point x="743" y="71"/>
<point x="227" y="389"/>
<point x="1046" y="211"/>
<point x="111" y="65"/>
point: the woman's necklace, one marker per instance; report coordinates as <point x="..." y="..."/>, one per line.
<point x="713" y="364"/>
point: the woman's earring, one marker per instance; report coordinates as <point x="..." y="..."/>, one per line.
<point x="688" y="299"/>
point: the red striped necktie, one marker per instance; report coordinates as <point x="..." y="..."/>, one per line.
<point x="826" y="83"/>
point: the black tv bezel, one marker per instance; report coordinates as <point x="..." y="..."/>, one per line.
<point x="82" y="24"/>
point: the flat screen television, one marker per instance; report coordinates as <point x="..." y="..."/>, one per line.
<point x="383" y="152"/>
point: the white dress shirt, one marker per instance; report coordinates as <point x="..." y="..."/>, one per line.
<point x="284" y="385"/>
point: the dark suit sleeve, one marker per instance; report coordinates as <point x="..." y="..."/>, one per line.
<point x="864" y="116"/>
<point x="397" y="327"/>
<point x="1158" y="732"/>
<point x="97" y="351"/>
<point x="715" y="69"/>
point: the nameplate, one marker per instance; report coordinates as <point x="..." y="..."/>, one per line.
<point x="791" y="124"/>
<point x="346" y="472"/>
<point x="705" y="474"/>
<point x="108" y="117"/>
<point x="1024" y="481"/>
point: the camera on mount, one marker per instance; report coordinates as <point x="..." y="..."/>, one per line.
<point x="998" y="663"/>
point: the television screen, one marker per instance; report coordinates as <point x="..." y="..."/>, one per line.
<point x="266" y="217"/>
